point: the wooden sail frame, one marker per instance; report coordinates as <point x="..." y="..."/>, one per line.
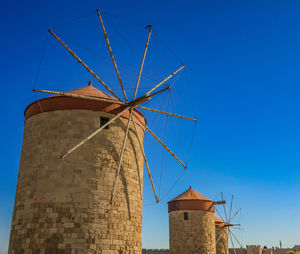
<point x="228" y="224"/>
<point x="128" y="105"/>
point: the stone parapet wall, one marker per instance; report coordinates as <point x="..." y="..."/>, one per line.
<point x="254" y="249"/>
<point x="63" y="205"/>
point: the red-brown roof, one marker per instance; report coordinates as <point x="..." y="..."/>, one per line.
<point x="191" y="200"/>
<point x="219" y="222"/>
<point x="92" y="91"/>
<point x="191" y="194"/>
<point x="53" y="103"/>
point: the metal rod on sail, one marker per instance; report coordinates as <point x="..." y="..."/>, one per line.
<point x="159" y="141"/>
<point x="142" y="63"/>
<point x="121" y="157"/>
<point x="93" y="134"/>
<point x="83" y="64"/>
<point x="167" y="113"/>
<point x="167" y="78"/>
<point x="112" y="55"/>
<point x="68" y="94"/>
<point x="145" y="159"/>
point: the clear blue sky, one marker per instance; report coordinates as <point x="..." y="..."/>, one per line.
<point x="243" y="60"/>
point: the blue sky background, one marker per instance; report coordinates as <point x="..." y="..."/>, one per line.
<point x="243" y="61"/>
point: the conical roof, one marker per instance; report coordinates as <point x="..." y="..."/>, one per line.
<point x="61" y="102"/>
<point x="219" y="222"/>
<point x="191" y="194"/>
<point x="90" y="90"/>
<point x="191" y="200"/>
<point x="218" y="219"/>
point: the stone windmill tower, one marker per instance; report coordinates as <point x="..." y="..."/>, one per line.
<point x="192" y="223"/>
<point x="221" y="236"/>
<point x="80" y="179"/>
<point x="225" y="229"/>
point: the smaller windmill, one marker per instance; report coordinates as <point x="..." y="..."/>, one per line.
<point x="229" y="217"/>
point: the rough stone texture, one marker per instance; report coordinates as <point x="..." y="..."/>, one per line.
<point x="237" y="251"/>
<point x="222" y="240"/>
<point x="192" y="236"/>
<point x="63" y="206"/>
<point x="267" y="251"/>
<point x="254" y="249"/>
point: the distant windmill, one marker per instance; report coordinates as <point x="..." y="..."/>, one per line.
<point x="229" y="226"/>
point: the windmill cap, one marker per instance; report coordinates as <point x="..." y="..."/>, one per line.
<point x="191" y="200"/>
<point x="191" y="194"/>
<point x="219" y="222"/>
<point x="58" y="102"/>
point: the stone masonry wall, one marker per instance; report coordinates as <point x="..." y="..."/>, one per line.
<point x="63" y="206"/>
<point x="195" y="235"/>
<point x="222" y="240"/>
<point x="254" y="249"/>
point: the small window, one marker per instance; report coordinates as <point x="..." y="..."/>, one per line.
<point x="186" y="216"/>
<point x="104" y="120"/>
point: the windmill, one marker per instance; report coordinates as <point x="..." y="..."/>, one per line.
<point x="127" y="104"/>
<point x="67" y="191"/>
<point x="228" y="226"/>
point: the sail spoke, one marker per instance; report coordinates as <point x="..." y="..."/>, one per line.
<point x="159" y="141"/>
<point x="112" y="55"/>
<point x="235" y="215"/>
<point x="83" y="64"/>
<point x="166" y="79"/>
<point x="68" y="94"/>
<point x="219" y="214"/>
<point x="232" y="242"/>
<point x="145" y="159"/>
<point x="121" y="157"/>
<point x="229" y="218"/>
<point x="167" y="113"/>
<point x="236" y="238"/>
<point x="224" y="208"/>
<point x="142" y="63"/>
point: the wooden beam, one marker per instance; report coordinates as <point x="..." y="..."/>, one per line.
<point x="222" y="202"/>
<point x="224" y="208"/>
<point x="93" y="134"/>
<point x="167" y="78"/>
<point x="230" y="208"/>
<point x="145" y="159"/>
<point x="68" y="94"/>
<point x="83" y="64"/>
<point x="219" y="214"/>
<point x="232" y="243"/>
<point x="121" y="158"/>
<point x="159" y="141"/>
<point x="142" y="63"/>
<point x="167" y="113"/>
<point x="112" y="55"/>
<point x="235" y="238"/>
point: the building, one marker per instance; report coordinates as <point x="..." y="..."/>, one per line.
<point x="64" y="205"/>
<point x="192" y="224"/>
